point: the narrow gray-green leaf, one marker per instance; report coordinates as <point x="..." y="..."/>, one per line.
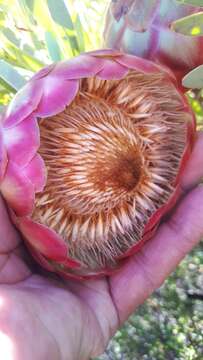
<point x="30" y="4"/>
<point x="189" y="25"/>
<point x="27" y="9"/>
<point x="52" y="46"/>
<point x="5" y="94"/>
<point x="194" y="79"/>
<point x="9" y="89"/>
<point x="28" y="49"/>
<point x="73" y="41"/>
<point x="79" y="32"/>
<point x="16" y="56"/>
<point x="2" y="16"/>
<point x="11" y="36"/>
<point x="11" y="76"/>
<point x="60" y="13"/>
<point x="192" y="2"/>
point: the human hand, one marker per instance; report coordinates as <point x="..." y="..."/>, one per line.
<point x="45" y="318"/>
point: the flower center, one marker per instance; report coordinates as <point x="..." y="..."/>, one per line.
<point x="112" y="157"/>
<point x="126" y="171"/>
<point x="94" y="159"/>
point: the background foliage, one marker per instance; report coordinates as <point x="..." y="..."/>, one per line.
<point x="34" y="33"/>
<point x="169" y="326"/>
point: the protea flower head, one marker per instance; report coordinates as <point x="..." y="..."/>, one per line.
<point x="91" y="153"/>
<point x="143" y="28"/>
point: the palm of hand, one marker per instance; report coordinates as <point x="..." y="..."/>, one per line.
<point x="42" y="318"/>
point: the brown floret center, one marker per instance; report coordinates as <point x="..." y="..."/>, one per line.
<point x="126" y="171"/>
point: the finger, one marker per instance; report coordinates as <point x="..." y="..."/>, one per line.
<point x="194" y="168"/>
<point x="9" y="238"/>
<point x="147" y="270"/>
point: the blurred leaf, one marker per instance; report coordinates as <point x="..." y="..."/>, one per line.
<point x="80" y="35"/>
<point x="41" y="14"/>
<point x="194" y="79"/>
<point x="47" y="24"/>
<point x="20" y="58"/>
<point x="9" y="89"/>
<point x="30" y="4"/>
<point x="189" y="25"/>
<point x="52" y="46"/>
<point x="5" y="97"/>
<point x="192" y="2"/>
<point x="73" y="43"/>
<point x="60" y="13"/>
<point x="2" y="16"/>
<point x="11" y="36"/>
<point x="27" y="9"/>
<point x="61" y="16"/>
<point x="28" y="49"/>
<point x="10" y="76"/>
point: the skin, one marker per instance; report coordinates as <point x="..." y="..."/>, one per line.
<point x="48" y="318"/>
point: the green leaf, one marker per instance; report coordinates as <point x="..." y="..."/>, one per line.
<point x="28" y="49"/>
<point x="194" y="79"/>
<point x="26" y="12"/>
<point x="5" y="86"/>
<point x="5" y="94"/>
<point x="52" y="46"/>
<point x="192" y="2"/>
<point x="61" y="16"/>
<point x="11" y="76"/>
<point x="41" y="15"/>
<point x="73" y="42"/>
<point x="79" y="32"/>
<point x="30" y="4"/>
<point x="11" y="36"/>
<point x="2" y="16"/>
<point x="189" y="25"/>
<point x="16" y="56"/>
<point x="60" y="13"/>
